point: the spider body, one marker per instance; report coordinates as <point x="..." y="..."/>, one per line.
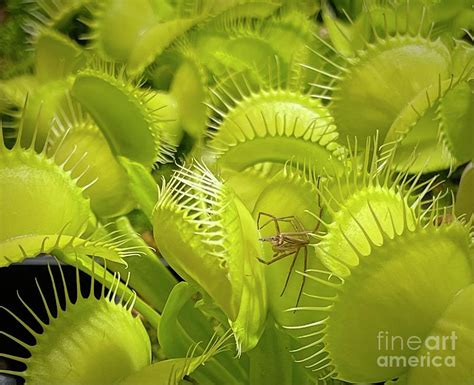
<point x="285" y="244"/>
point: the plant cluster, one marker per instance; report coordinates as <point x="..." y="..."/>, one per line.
<point x="295" y="163"/>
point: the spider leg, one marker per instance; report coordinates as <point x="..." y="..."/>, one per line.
<point x="297" y="225"/>
<point x="263" y="214"/>
<point x="273" y="219"/>
<point x="319" y="222"/>
<point x="290" y="270"/>
<point x="277" y="221"/>
<point x="305" y="266"/>
<point x="276" y="257"/>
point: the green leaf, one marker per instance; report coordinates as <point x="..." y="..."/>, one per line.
<point x="171" y="372"/>
<point x="182" y="326"/>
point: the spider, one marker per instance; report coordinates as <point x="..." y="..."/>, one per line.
<point x="285" y="244"/>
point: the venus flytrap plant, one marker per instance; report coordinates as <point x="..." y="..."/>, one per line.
<point x="415" y="94"/>
<point x="145" y="37"/>
<point x="236" y="44"/>
<point x="76" y="335"/>
<point x="432" y="62"/>
<point x="67" y="227"/>
<point x="115" y="27"/>
<point x="198" y="53"/>
<point x="38" y="111"/>
<point x="87" y="319"/>
<point x="415" y="127"/>
<point x="464" y="206"/>
<point x="270" y="125"/>
<point x="443" y="18"/>
<point x="289" y="196"/>
<point x="368" y="186"/>
<point x="59" y="224"/>
<point x="168" y="113"/>
<point x="370" y="242"/>
<point x="306" y="240"/>
<point x="148" y="143"/>
<point x="212" y="242"/>
<point x="422" y="123"/>
<point x="181" y="63"/>
<point x="76" y="136"/>
<point x="192" y="72"/>
<point x="234" y="40"/>
<point x="397" y="318"/>
<point x="73" y="143"/>
<point x="57" y="56"/>
<point x="50" y="14"/>
<point x="455" y="112"/>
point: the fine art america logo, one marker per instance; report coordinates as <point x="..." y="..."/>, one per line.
<point x="436" y="351"/>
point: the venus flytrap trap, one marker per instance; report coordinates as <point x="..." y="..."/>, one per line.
<point x="432" y="149"/>
<point x="38" y="111"/>
<point x="455" y="111"/>
<point x="433" y="61"/>
<point x="67" y="227"/>
<point x="76" y="136"/>
<point x="148" y="143"/>
<point x="212" y="242"/>
<point x="87" y="320"/>
<point x="191" y="71"/>
<point x="284" y="158"/>
<point x="412" y="114"/>
<point x="367" y="246"/>
<point x="115" y="27"/>
<point x="236" y="44"/>
<point x="145" y="36"/>
<point x="35" y="182"/>
<point x="57" y="56"/>
<point x="463" y="207"/>
<point x="84" y="325"/>
<point x="271" y="124"/>
<point x="50" y="14"/>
